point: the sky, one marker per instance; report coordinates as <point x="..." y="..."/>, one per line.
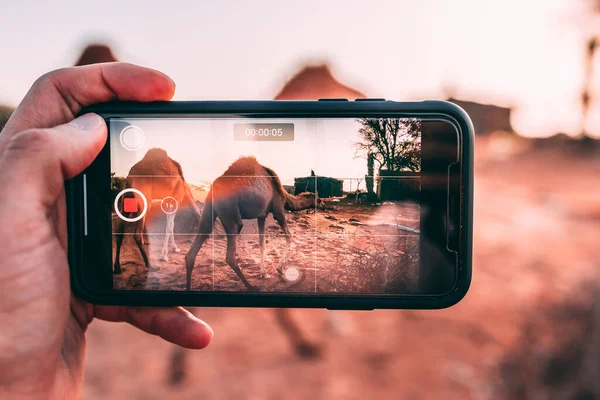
<point x="525" y="54"/>
<point x="206" y="148"/>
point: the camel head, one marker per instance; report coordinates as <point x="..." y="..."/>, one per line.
<point x="188" y="218"/>
<point x="320" y="204"/>
<point x="311" y="200"/>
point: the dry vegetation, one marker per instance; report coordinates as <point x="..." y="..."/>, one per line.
<point x="357" y="250"/>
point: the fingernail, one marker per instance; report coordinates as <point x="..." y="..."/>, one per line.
<point x="88" y="122"/>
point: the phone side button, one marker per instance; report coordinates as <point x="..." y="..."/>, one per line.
<point x="349" y="309"/>
<point x="371" y="99"/>
<point x="333" y="100"/>
<point x="85" y="211"/>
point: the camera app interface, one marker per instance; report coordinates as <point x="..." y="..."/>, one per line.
<point x="271" y="205"/>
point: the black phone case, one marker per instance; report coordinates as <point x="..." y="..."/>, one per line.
<point x="321" y="108"/>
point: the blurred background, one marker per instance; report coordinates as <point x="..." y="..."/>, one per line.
<point x="528" y="74"/>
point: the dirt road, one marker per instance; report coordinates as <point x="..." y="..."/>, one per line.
<point x="349" y="249"/>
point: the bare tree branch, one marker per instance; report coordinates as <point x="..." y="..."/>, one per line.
<point x="394" y="143"/>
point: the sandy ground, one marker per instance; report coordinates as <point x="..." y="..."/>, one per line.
<point x="537" y="224"/>
<point x="346" y="249"/>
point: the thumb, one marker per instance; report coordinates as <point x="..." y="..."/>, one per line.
<point x="37" y="161"/>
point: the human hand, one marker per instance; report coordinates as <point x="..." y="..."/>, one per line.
<point x="42" y="325"/>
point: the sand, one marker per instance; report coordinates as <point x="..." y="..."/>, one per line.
<point x="537" y="224"/>
<point x="346" y="249"/>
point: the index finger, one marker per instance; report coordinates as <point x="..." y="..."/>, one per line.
<point x="174" y="324"/>
<point x="57" y="97"/>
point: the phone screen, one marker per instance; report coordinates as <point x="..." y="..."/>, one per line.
<point x="332" y="206"/>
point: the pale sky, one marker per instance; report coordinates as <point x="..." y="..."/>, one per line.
<point x="528" y="54"/>
<point x="206" y="148"/>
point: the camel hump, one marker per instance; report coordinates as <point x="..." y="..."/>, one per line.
<point x="245" y="166"/>
<point x="156" y="162"/>
<point x="249" y="166"/>
<point x="156" y="153"/>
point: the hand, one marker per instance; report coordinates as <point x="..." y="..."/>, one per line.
<point x="42" y="325"/>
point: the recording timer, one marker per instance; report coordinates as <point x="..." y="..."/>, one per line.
<point x="267" y="132"/>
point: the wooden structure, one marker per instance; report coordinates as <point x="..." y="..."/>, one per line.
<point x="398" y="185"/>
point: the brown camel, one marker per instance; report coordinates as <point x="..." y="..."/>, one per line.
<point x="156" y="176"/>
<point x="247" y="190"/>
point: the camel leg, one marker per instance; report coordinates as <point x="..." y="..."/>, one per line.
<point x="178" y="366"/>
<point x="280" y="218"/>
<point x="137" y="236"/>
<point x="145" y="237"/>
<point x="303" y="347"/>
<point x="230" y="259"/>
<point x="261" y="242"/>
<point x="233" y="227"/>
<point x="120" y="231"/>
<point x="164" y="255"/>
<point x="206" y="227"/>
<point x="179" y="369"/>
<point x="190" y="257"/>
<point x="173" y="246"/>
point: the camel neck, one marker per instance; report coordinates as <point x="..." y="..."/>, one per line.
<point x="297" y="203"/>
<point x="188" y="199"/>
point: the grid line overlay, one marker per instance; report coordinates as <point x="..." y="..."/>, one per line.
<point x="315" y="237"/>
<point x="352" y="178"/>
<point x="272" y="234"/>
<point x="212" y="239"/>
<point x="312" y="233"/>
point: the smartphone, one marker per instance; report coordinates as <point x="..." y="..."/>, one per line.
<point x="332" y="203"/>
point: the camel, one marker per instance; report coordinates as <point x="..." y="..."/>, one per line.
<point x="247" y="190"/>
<point x="157" y="176"/>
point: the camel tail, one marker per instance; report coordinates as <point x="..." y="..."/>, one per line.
<point x="276" y="182"/>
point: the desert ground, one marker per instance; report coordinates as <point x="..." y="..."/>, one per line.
<point x="348" y="248"/>
<point x="537" y="224"/>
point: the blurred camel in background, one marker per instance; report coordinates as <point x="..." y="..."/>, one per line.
<point x="95" y="54"/>
<point x="5" y="113"/>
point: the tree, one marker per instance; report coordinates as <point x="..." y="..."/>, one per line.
<point x="395" y="144"/>
<point x="370" y="172"/>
